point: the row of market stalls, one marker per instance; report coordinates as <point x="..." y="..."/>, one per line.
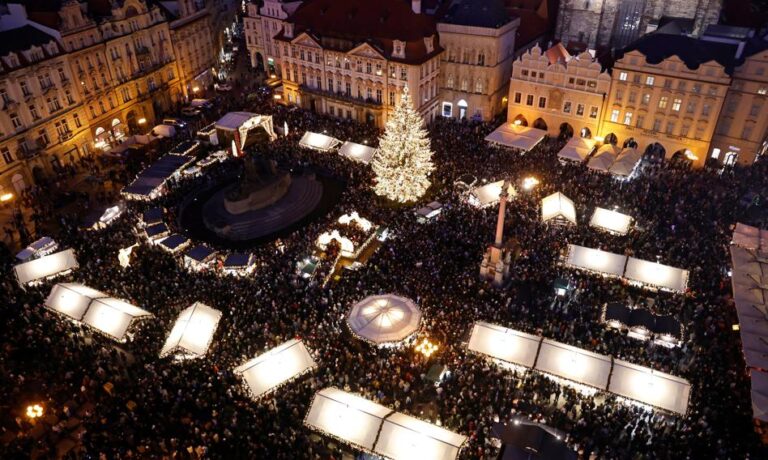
<point x="150" y="183"/>
<point x="196" y="257"/>
<point x="516" y="136"/>
<point x="50" y="266"/>
<point x="324" y="143"/>
<point x="102" y="313"/>
<point x="749" y="256"/>
<point x="608" y="157"/>
<point x="589" y="371"/>
<point x="643" y="273"/>
<point x="642" y="324"/>
<point x="560" y="209"/>
<point x="379" y="430"/>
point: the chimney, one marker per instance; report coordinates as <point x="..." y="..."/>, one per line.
<point x="416" y="6"/>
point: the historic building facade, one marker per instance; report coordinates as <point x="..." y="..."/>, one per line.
<point x="261" y="24"/>
<point x="742" y="130"/>
<point x="359" y="72"/>
<point x="557" y="92"/>
<point x="477" y="62"/>
<point x="617" y="23"/>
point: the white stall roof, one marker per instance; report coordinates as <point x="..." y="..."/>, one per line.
<point x="348" y="417"/>
<point x="575" y="364"/>
<point x="113" y="316"/>
<point x="384" y="319"/>
<point x="71" y="299"/>
<point x="234" y="120"/>
<point x="488" y="194"/>
<point x="656" y="274"/>
<point x="595" y="260"/>
<point x="604" y="158"/>
<point x="750" y="237"/>
<point x="404" y="437"/>
<point x="612" y="221"/>
<point x="269" y="370"/>
<point x="192" y="332"/>
<point x="558" y="205"/>
<point x="650" y="387"/>
<point x="625" y="163"/>
<point x="577" y="149"/>
<point x="46" y="266"/>
<point x="515" y="136"/>
<point x="318" y="141"/>
<point x="505" y="344"/>
<point x="357" y="152"/>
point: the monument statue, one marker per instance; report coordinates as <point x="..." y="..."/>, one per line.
<point x="262" y="184"/>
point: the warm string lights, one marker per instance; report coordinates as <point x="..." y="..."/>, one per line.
<point x="34" y="411"/>
<point x="404" y="159"/>
<point x="426" y="348"/>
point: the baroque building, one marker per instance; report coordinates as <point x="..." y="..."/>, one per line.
<point x="617" y="23"/>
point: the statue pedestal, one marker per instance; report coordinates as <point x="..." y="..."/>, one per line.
<point x="495" y="265"/>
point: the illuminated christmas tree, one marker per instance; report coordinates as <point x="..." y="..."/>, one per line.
<point x="404" y="159"/>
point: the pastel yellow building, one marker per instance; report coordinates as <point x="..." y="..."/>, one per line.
<point x="557" y="92"/>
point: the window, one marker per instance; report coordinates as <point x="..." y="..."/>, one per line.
<point x="330" y="84"/>
<point x="524" y="73"/>
<point x="4" y="95"/>
<point x="690" y="107"/>
<point x="447" y="109"/>
<point x="762" y="91"/>
<point x="15" y="120"/>
<point x="593" y="111"/>
<point x="43" y="140"/>
<point x="481" y="58"/>
<point x="619" y="95"/>
<point x="628" y="118"/>
<point x="77" y="120"/>
<point x="24" y="88"/>
<point x="668" y="83"/>
<point x="676" y="104"/>
<point x="518" y="97"/>
<point x="378" y="96"/>
<point x="746" y="133"/>
<point x="479" y="86"/>
<point x="636" y="78"/>
<point x="649" y="80"/>
<point x="713" y="90"/>
<point x="623" y="76"/>
<point x="663" y="102"/>
<point x="391" y="98"/>
<point x="301" y="55"/>
<point x="670" y="127"/>
<point x="7" y="156"/>
<point x="348" y="88"/>
<point x="464" y="84"/>
<point x="580" y="109"/>
<point x="697" y="88"/>
<point x="378" y="69"/>
<point x="681" y="85"/>
<point x="529" y="100"/>
<point x="567" y="107"/>
<point x="755" y="109"/>
<point x="657" y="125"/>
<point x="632" y="97"/>
<point x="646" y="98"/>
<point x="684" y="130"/>
<point x="639" y="122"/>
<point x="615" y="115"/>
<point x="70" y="99"/>
<point x="332" y="111"/>
<point x="368" y="67"/>
<point x="449" y="81"/>
<point x="369" y="93"/>
<point x="705" y="110"/>
<point x="403" y="73"/>
<point x="62" y="127"/>
<point x="542" y="102"/>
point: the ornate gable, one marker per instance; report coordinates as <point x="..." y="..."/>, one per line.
<point x="304" y="39"/>
<point x="367" y="51"/>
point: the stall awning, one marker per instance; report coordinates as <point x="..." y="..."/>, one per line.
<point x="192" y="332"/>
<point x="577" y="149"/>
<point x="595" y="260"/>
<point x="200" y="253"/>
<point x="575" y="364"/>
<point x="558" y="206"/>
<point x="113" y="317"/>
<point x="626" y="162"/>
<point x="504" y="344"/>
<point x="348" y="417"/>
<point x="317" y="141"/>
<point x="517" y="137"/>
<point x="650" y="387"/>
<point x="174" y="242"/>
<point x="277" y="366"/>
<point x="604" y="158"/>
<point x="488" y="194"/>
<point x="750" y="237"/>
<point x="71" y="299"/>
<point x="357" y="152"/>
<point x="406" y="437"/>
<point x="656" y="275"/>
<point x="611" y="221"/>
<point x="152" y="216"/>
<point x="41" y="247"/>
<point x="45" y="267"/>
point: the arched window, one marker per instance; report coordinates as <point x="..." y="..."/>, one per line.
<point x="449" y="83"/>
<point x="479" y="86"/>
<point x="481" y="58"/>
<point x="464" y="84"/>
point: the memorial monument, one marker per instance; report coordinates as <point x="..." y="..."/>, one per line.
<point x="498" y="256"/>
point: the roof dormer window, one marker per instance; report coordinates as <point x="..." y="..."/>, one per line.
<point x="429" y="43"/>
<point x="398" y="49"/>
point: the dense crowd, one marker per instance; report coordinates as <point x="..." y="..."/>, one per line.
<point x="122" y="401"/>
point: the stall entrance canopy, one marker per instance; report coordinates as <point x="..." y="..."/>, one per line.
<point x="577" y="149"/>
<point x="489" y="194"/>
<point x="274" y="368"/>
<point x="358" y="152"/>
<point x="49" y="266"/>
<point x="110" y="316"/>
<point x="317" y="141"/>
<point x="378" y="429"/>
<point x="611" y="221"/>
<point x="558" y="207"/>
<point x="581" y="366"/>
<point x="192" y="332"/>
<point x="626" y="162"/>
<point x="516" y="136"/>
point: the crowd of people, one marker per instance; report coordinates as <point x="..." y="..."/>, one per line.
<point x="119" y="400"/>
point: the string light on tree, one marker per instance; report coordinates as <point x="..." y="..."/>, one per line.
<point x="404" y="159"/>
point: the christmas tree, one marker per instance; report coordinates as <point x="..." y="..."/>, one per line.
<point x="404" y="159"/>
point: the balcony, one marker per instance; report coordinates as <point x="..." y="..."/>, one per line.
<point x="343" y="97"/>
<point x="65" y="136"/>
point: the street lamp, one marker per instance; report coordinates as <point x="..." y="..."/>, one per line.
<point x="530" y="182"/>
<point x="195" y="89"/>
<point x="34" y="411"/>
<point x="426" y="348"/>
<point x="6" y="197"/>
<point x="142" y="121"/>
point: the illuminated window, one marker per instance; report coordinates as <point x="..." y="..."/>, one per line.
<point x="615" y="115"/>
